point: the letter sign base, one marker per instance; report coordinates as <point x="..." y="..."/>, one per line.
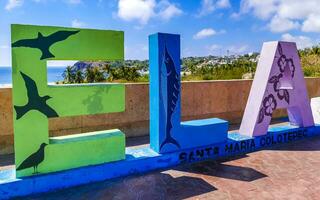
<point x="144" y="159"/>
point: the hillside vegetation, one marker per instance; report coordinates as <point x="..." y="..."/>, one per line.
<point x="192" y="68"/>
<point x="310" y="61"/>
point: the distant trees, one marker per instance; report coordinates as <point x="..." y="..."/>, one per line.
<point x="310" y="61"/>
<point x="68" y="75"/>
<point x="94" y="74"/>
<point x="219" y="68"/>
<point x="109" y="71"/>
<point x="193" y="68"/>
<point x="78" y="78"/>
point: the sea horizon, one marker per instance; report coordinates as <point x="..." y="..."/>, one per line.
<point x="54" y="74"/>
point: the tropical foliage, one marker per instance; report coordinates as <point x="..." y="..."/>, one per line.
<point x="93" y="72"/>
<point x="310" y="61"/>
<point x="193" y="68"/>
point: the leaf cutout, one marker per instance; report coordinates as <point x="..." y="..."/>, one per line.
<point x="275" y="87"/>
<point x="280" y="96"/>
<point x="280" y="49"/>
<point x="274" y="79"/>
<point x="282" y="62"/>
<point x="286" y="96"/>
<point x="292" y="73"/>
<point x="291" y="66"/>
<point x="261" y="115"/>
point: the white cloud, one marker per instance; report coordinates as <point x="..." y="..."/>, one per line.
<point x="144" y="10"/>
<point x="141" y="10"/>
<point x="77" y="24"/>
<point x="11" y="4"/>
<point x="168" y="10"/>
<point x="312" y="23"/>
<point x="223" y="4"/>
<point x="288" y="14"/>
<point x="261" y="9"/>
<point x="234" y="49"/>
<point x="301" y="41"/>
<point x="278" y="24"/>
<point x="208" y="6"/>
<point x="297" y="9"/>
<point x="204" y="33"/>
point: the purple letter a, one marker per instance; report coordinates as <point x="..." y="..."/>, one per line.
<point x="278" y="83"/>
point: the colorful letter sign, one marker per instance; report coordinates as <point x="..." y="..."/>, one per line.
<point x="278" y="83"/>
<point x="167" y="133"/>
<point x="34" y="101"/>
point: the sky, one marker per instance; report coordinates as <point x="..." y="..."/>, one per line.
<point x="207" y="27"/>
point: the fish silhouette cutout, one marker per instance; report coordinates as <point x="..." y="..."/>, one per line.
<point x="35" y="101"/>
<point x="43" y="43"/>
<point x="173" y="92"/>
<point x="34" y="159"/>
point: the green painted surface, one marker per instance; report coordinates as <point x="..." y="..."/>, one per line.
<point x="90" y="151"/>
<point x="34" y="101"/>
<point x="85" y="136"/>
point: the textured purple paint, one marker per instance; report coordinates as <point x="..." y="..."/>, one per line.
<point x="278" y="83"/>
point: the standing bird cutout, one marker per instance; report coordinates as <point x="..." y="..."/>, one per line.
<point x="35" y="101"/>
<point x="44" y="42"/>
<point x="34" y="159"/>
<point x="173" y="92"/>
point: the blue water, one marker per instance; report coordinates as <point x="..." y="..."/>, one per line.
<point x="54" y="74"/>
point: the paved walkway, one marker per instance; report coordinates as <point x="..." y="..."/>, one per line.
<point x="289" y="171"/>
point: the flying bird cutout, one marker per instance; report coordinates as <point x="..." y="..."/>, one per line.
<point x="35" y="101"/>
<point x="43" y="43"/>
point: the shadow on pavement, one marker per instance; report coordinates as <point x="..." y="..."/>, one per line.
<point x="306" y="144"/>
<point x="154" y="186"/>
<point x="217" y="169"/>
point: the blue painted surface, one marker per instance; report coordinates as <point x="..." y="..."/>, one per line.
<point x="203" y="122"/>
<point x="197" y="133"/>
<point x="167" y="133"/>
<point x="164" y="91"/>
<point x="144" y="159"/>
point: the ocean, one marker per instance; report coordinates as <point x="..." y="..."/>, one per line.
<point x="54" y="75"/>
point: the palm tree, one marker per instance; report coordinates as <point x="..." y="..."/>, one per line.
<point x="79" y="77"/>
<point x="316" y="50"/>
<point x="68" y="75"/>
<point x="89" y="75"/>
<point x="98" y="75"/>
